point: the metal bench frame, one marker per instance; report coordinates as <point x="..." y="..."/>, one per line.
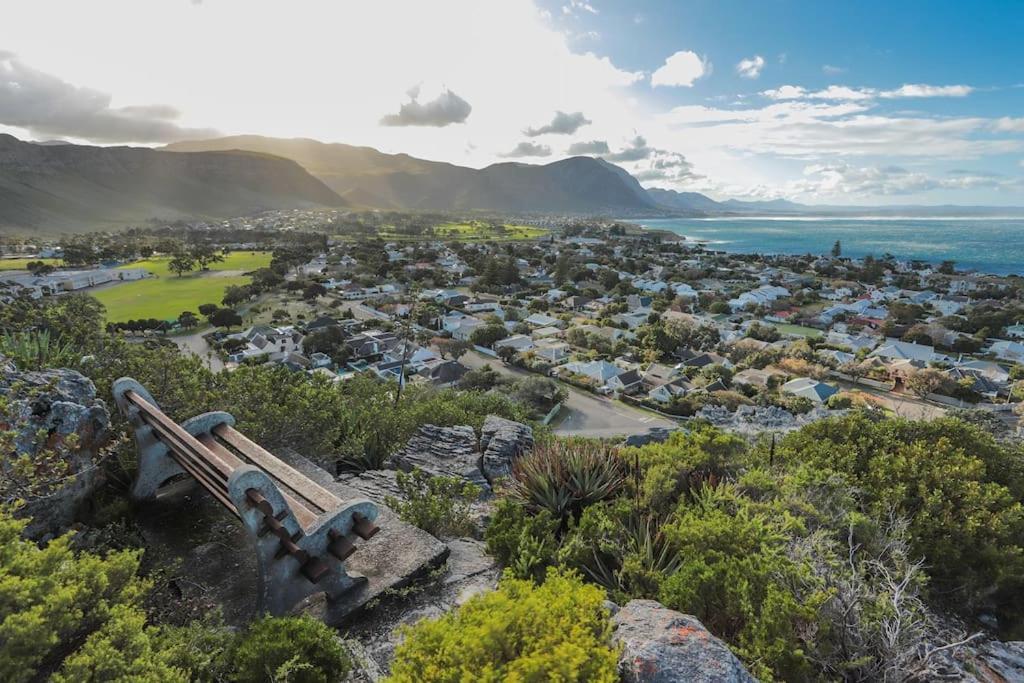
<point x="302" y="532"/>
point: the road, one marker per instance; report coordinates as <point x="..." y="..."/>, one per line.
<point x="902" y="404"/>
<point x="585" y="414"/>
<point x="195" y="344"/>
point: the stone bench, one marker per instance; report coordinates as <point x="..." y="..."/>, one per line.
<point x="302" y="532"/>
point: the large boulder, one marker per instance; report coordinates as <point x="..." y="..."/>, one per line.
<point x="660" y="645"/>
<point x="55" y="412"/>
<point x="443" y="452"/>
<point x="502" y="441"/>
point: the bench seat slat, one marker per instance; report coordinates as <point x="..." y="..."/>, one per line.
<point x="303" y="515"/>
<point x="199" y="473"/>
<point x="292" y="478"/>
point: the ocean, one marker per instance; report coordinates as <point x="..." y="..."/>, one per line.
<point x="989" y="245"/>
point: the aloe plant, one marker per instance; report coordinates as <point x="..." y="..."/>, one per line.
<point x="566" y="476"/>
<point x="36" y="349"/>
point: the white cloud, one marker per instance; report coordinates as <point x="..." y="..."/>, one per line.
<point x="841" y="179"/>
<point x="924" y="90"/>
<point x="447" y="108"/>
<point x="574" y="6"/>
<point x="561" y="124"/>
<point x="681" y="69"/>
<point x="842" y="92"/>
<point x="44" y="105"/>
<point x="751" y="67"/>
<point x="831" y="70"/>
<point x="588" y="147"/>
<point x="528" y="149"/>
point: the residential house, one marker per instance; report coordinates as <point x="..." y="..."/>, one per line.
<point x="817" y="392"/>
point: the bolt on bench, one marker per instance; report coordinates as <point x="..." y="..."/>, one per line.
<point x="302" y="532"/>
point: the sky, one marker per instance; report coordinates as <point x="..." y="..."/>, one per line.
<point x="906" y="102"/>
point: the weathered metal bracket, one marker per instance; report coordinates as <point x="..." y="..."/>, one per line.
<point x="288" y="574"/>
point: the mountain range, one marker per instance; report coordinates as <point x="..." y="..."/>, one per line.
<point x="366" y="177"/>
<point x="62" y="187"/>
<point x="56" y="186"/>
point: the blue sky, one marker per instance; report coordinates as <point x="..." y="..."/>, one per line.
<point x="865" y="46"/>
<point x="818" y="101"/>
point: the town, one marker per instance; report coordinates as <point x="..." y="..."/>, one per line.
<point x="607" y="328"/>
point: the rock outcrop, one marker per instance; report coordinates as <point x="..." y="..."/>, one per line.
<point x="660" y="645"/>
<point x="502" y="441"/>
<point x="55" y="412"/>
<point x="456" y="452"/>
<point x="443" y="451"/>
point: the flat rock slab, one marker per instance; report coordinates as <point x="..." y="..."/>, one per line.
<point x="218" y="566"/>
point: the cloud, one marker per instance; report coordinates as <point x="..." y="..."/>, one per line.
<point x="668" y="166"/>
<point x="841" y="179"/>
<point x="830" y="70"/>
<point x="923" y="90"/>
<point x="561" y="124"/>
<point x="598" y="147"/>
<point x="813" y="130"/>
<point x="45" y="105"/>
<point x="636" y="150"/>
<point x="842" y="92"/>
<point x="574" y="6"/>
<point x="528" y="149"/>
<point x="751" y="67"/>
<point x="1007" y="124"/>
<point x="681" y="69"/>
<point x="447" y="108"/>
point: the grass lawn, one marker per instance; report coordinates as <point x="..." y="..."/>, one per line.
<point x="798" y="329"/>
<point x="20" y="263"/>
<point x="166" y="296"/>
<point x="482" y="230"/>
<point x="468" y="231"/>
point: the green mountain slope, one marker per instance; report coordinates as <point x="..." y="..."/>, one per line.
<point x="52" y="188"/>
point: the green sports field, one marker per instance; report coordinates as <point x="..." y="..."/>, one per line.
<point x="20" y="263"/>
<point x="166" y="296"/>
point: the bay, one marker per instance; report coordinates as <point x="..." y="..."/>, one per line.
<point x="989" y="245"/>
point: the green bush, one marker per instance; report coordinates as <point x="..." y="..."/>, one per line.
<point x="294" y="649"/>
<point x="52" y="598"/>
<point x="438" y="505"/>
<point x="525" y="542"/>
<point x="557" y="631"/>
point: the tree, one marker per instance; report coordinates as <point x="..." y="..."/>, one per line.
<point x="182" y="263"/>
<point x="204" y="254"/>
<point x="236" y="294"/>
<point x="947" y="267"/>
<point x="455" y="348"/>
<point x="207" y="309"/>
<point x="188" y="319"/>
<point x="39" y="268"/>
<point x="837" y="249"/>
<point x="313" y="290"/>
<point x="927" y="381"/>
<point x="225" y="317"/>
<point x="486" y="335"/>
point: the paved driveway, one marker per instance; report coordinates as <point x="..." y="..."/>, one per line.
<point x="585" y="414"/>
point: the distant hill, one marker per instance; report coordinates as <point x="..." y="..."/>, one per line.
<point x="365" y="176"/>
<point x="65" y="187"/>
<point x="697" y="202"/>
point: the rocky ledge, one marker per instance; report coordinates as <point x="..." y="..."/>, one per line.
<point x="55" y="411"/>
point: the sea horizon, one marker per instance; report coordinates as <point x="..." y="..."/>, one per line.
<point x="987" y="244"/>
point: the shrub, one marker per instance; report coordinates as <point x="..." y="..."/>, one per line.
<point x="565" y="476"/>
<point x="438" y="505"/>
<point x="51" y="596"/>
<point x="519" y="632"/>
<point x="296" y="649"/>
<point x="523" y="541"/>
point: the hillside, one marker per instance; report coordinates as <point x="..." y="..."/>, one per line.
<point x="67" y="187"/>
<point x="365" y="176"/>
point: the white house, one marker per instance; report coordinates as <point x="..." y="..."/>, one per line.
<point x="1008" y="350"/>
<point x="519" y="342"/>
<point x="894" y="349"/>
